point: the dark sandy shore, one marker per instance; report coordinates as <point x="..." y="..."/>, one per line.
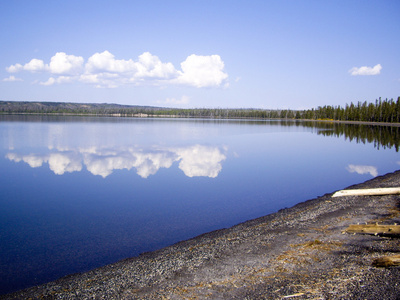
<point x="296" y="253"/>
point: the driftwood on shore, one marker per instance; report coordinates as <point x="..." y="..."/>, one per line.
<point x="387" y="261"/>
<point x="374" y="229"/>
<point x="368" y="192"/>
<point x="384" y="230"/>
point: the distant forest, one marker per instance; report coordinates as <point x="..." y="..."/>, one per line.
<point x="387" y="111"/>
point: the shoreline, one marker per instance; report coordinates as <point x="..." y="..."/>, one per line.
<point x="151" y="116"/>
<point x="296" y="252"/>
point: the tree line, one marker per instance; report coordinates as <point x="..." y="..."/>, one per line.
<point x="386" y="110"/>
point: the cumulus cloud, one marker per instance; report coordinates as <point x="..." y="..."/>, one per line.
<point x="366" y="70"/>
<point x="15" y="68"/>
<point x="193" y="161"/>
<point x="150" y="66"/>
<point x="106" y="62"/>
<point x="202" y="71"/>
<point x="60" y="79"/>
<point x="61" y="63"/>
<point x="12" y="78"/>
<point x="35" y="65"/>
<point x="104" y="70"/>
<point x="361" y="169"/>
<point x="49" y="81"/>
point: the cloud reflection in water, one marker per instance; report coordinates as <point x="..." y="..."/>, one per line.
<point x="194" y="160"/>
<point x="361" y="169"/>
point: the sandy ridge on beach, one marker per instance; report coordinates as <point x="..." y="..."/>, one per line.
<point x="296" y="253"/>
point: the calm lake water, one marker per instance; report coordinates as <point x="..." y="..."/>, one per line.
<point x="78" y="193"/>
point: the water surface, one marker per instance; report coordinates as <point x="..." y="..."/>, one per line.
<point x="78" y="192"/>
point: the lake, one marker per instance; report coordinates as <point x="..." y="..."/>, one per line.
<point x="81" y="192"/>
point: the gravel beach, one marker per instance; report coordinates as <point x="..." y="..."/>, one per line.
<point x="301" y="252"/>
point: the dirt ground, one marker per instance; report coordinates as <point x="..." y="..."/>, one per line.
<point x="297" y="253"/>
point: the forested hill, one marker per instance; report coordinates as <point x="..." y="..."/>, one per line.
<point x="387" y="111"/>
<point x="73" y="108"/>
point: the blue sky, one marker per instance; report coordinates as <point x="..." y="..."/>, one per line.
<point x="262" y="54"/>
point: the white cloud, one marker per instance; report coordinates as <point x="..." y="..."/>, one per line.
<point x="61" y="63"/>
<point x="366" y="70"/>
<point x="105" y="62"/>
<point x="361" y="169"/>
<point x="14" y="68"/>
<point x="50" y="81"/>
<point x="150" y="66"/>
<point x="89" y="78"/>
<point x="12" y="78"/>
<point x="60" y="79"/>
<point x="103" y="80"/>
<point x="104" y="70"/>
<point x="202" y="71"/>
<point x="35" y="65"/>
